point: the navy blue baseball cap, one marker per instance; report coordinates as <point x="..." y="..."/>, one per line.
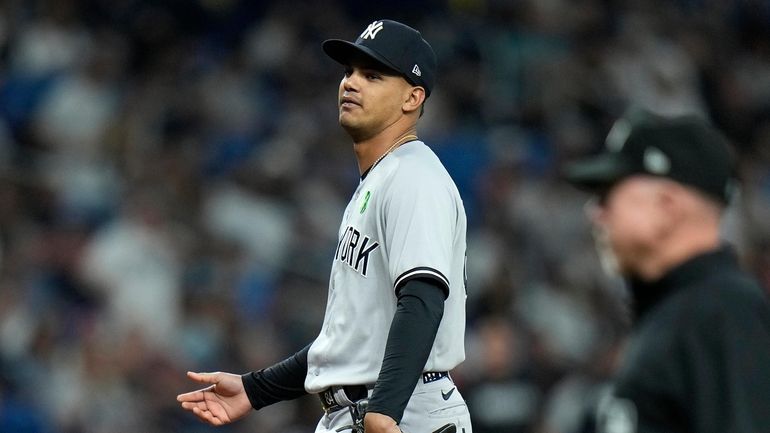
<point x="686" y="149"/>
<point x="393" y="45"/>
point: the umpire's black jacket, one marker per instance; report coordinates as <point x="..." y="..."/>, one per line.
<point x="699" y="358"/>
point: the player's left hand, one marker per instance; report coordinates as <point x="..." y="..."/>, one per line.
<point x="378" y="423"/>
<point x="222" y="402"/>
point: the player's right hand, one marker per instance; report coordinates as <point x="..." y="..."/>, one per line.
<point x="223" y="402"/>
<point x="379" y="423"/>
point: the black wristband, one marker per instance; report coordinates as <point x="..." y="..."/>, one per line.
<point x="282" y="381"/>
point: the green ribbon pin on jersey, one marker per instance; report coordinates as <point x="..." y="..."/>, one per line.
<point x="366" y="201"/>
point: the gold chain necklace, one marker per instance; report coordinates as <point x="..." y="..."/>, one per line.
<point x="399" y="141"/>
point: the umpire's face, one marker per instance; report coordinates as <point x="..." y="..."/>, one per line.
<point x="632" y="219"/>
<point x="371" y="99"/>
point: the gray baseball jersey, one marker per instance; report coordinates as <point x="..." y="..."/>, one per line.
<point x="405" y="220"/>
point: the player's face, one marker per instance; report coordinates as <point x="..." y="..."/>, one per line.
<point x="370" y="99"/>
<point x="629" y="221"/>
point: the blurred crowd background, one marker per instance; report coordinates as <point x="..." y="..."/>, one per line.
<point x="172" y="176"/>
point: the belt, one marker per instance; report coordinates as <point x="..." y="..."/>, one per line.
<point x="335" y="398"/>
<point x="338" y="397"/>
<point x="433" y="376"/>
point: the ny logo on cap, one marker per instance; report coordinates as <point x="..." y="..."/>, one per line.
<point x="372" y="30"/>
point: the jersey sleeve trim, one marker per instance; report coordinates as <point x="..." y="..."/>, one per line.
<point x="422" y="272"/>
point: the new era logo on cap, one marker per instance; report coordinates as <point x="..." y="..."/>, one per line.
<point x="416" y="71"/>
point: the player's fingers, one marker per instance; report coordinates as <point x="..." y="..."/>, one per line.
<point x="203" y="415"/>
<point x="203" y="377"/>
<point x="190" y="396"/>
<point x="207" y="416"/>
<point x="191" y="405"/>
<point x="197" y="395"/>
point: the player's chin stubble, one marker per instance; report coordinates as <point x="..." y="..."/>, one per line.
<point x="354" y="129"/>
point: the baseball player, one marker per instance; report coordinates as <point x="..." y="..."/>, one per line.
<point x="395" y="316"/>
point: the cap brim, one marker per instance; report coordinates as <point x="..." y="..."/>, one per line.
<point x="597" y="172"/>
<point x="345" y="52"/>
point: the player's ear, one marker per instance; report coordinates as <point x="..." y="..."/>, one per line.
<point x="414" y="99"/>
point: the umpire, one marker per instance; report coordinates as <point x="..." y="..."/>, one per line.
<point x="699" y="357"/>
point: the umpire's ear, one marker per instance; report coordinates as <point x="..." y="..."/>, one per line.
<point x="413" y="99"/>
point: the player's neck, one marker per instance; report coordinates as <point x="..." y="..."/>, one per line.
<point x="370" y="151"/>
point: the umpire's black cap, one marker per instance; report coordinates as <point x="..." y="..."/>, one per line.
<point x="686" y="149"/>
<point x="393" y="45"/>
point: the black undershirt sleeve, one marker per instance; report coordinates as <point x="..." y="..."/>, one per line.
<point x="282" y="381"/>
<point x="412" y="332"/>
